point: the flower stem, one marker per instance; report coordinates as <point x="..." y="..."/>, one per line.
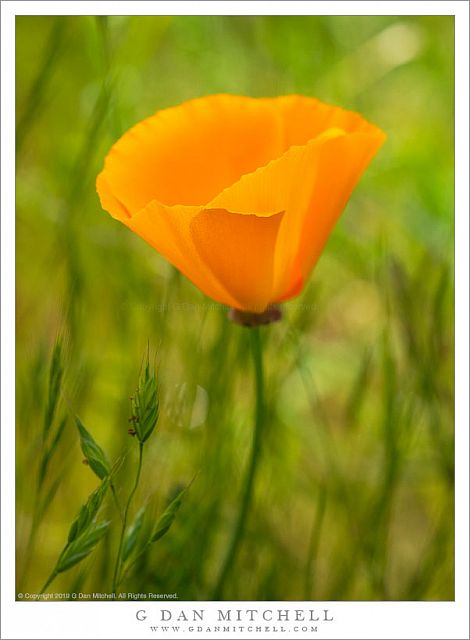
<point x="247" y="493"/>
<point x="117" y="567"/>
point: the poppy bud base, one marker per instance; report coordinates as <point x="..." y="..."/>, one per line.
<point x="249" y="319"/>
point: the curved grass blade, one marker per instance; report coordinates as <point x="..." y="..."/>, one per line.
<point x="167" y="518"/>
<point x="88" y="512"/>
<point x="81" y="547"/>
<point x="93" y="453"/>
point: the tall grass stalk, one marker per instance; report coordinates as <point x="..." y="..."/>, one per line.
<point x="118" y="564"/>
<point x="246" y="499"/>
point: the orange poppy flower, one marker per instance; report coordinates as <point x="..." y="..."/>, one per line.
<point x="240" y="194"/>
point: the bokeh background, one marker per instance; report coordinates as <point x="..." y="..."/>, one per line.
<point x="354" y="496"/>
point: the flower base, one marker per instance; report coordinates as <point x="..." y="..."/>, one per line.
<point x="273" y="313"/>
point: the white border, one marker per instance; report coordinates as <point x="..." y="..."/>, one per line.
<point x="440" y="620"/>
<point x="235" y="7"/>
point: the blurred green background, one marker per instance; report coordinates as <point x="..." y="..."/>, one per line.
<point x="354" y="496"/>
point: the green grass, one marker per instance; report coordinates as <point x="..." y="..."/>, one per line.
<point x="353" y="493"/>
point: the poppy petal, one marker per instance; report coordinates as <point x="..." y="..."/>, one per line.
<point x="167" y="229"/>
<point x="337" y="165"/>
<point x="284" y="184"/>
<point x="187" y="154"/>
<point x="109" y="201"/>
<point x="304" y="118"/>
<point x="229" y="257"/>
<point x="342" y="161"/>
<point x="311" y="183"/>
<point x="239" y="250"/>
<point x="273" y="187"/>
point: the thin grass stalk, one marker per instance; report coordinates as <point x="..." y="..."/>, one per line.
<point x="117" y="567"/>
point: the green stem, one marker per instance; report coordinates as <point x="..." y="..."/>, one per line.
<point x="247" y="494"/>
<point x="117" y="567"/>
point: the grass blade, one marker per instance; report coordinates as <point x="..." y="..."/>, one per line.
<point x="93" y="453"/>
<point x="167" y="518"/>
<point x="81" y="547"/>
